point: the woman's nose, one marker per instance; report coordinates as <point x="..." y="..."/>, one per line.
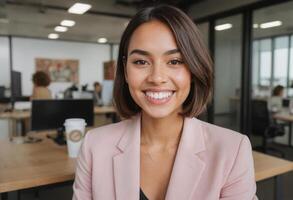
<point x="157" y="74"/>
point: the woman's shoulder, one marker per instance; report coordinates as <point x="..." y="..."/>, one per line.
<point x="41" y="93"/>
<point x="216" y="131"/>
<point x="220" y="138"/>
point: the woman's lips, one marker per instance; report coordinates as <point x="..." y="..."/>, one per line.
<point x="158" y="97"/>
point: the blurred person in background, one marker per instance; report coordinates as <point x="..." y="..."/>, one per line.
<point x="275" y="102"/>
<point x="98" y="94"/>
<point x="41" y="81"/>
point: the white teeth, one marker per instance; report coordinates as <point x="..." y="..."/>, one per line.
<point x="158" y="95"/>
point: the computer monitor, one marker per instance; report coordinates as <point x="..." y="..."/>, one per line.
<point x="286" y="103"/>
<point x="51" y="114"/>
<point x="2" y="91"/>
<point x="16" y="84"/>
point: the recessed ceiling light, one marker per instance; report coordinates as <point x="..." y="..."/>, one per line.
<point x="53" y="36"/>
<point x="79" y="8"/>
<point x="67" y="22"/>
<point x="102" y="40"/>
<point x="223" y="27"/>
<point x="61" y="29"/>
<point x="270" y="24"/>
<point x="255" y="25"/>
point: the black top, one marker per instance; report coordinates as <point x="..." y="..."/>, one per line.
<point x="142" y="195"/>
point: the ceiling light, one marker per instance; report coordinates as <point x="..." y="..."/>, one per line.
<point x="79" y="8"/>
<point x="255" y="25"/>
<point x="223" y="27"/>
<point x="67" y="22"/>
<point x="102" y="40"/>
<point x="61" y="29"/>
<point x="53" y="36"/>
<point x="270" y="24"/>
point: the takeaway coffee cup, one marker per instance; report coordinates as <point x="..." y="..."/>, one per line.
<point x="75" y="129"/>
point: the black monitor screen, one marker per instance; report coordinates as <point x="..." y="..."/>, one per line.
<point x="2" y="91"/>
<point x="51" y="114"/>
<point x="286" y="103"/>
<point x="16" y="84"/>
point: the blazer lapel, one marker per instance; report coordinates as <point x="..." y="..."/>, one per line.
<point x="127" y="164"/>
<point x="188" y="167"/>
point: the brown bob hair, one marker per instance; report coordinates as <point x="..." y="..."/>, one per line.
<point x="41" y="79"/>
<point x="277" y="91"/>
<point x="193" y="51"/>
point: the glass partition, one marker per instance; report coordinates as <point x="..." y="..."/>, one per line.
<point x="228" y="46"/>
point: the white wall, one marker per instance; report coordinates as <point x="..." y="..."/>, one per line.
<point x="115" y="52"/>
<point x="4" y="78"/>
<point x="90" y="56"/>
<point x="4" y="62"/>
<point x="209" y="7"/>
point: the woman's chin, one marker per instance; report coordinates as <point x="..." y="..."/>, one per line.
<point x="158" y="113"/>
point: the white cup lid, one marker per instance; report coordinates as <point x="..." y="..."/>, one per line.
<point x="75" y="122"/>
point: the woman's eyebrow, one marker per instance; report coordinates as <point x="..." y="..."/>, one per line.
<point x="140" y="52"/>
<point x="172" y="52"/>
<point x="146" y="53"/>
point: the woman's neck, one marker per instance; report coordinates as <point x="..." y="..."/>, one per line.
<point x="164" y="132"/>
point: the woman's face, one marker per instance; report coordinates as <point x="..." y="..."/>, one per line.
<point x="158" y="79"/>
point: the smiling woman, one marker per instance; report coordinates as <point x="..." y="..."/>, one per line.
<point x="160" y="151"/>
<point x="184" y="37"/>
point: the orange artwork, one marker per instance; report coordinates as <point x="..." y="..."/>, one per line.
<point x="59" y="70"/>
<point x="109" y="70"/>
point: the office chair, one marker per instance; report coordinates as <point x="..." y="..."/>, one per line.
<point x="263" y="126"/>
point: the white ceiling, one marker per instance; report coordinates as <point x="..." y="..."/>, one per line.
<point x="31" y="19"/>
<point x="282" y="12"/>
<point x="107" y="18"/>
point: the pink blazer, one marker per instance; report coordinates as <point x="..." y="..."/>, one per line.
<point x="211" y="163"/>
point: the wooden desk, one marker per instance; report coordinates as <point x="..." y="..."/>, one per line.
<point x="15" y="118"/>
<point x="271" y="167"/>
<point x="30" y="165"/>
<point x="267" y="166"/>
<point x="284" y="116"/>
<point x="18" y="117"/>
<point x="104" y="110"/>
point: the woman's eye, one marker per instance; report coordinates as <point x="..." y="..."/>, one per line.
<point x="140" y="62"/>
<point x="175" y="62"/>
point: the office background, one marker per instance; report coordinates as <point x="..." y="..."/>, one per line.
<point x="250" y="58"/>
